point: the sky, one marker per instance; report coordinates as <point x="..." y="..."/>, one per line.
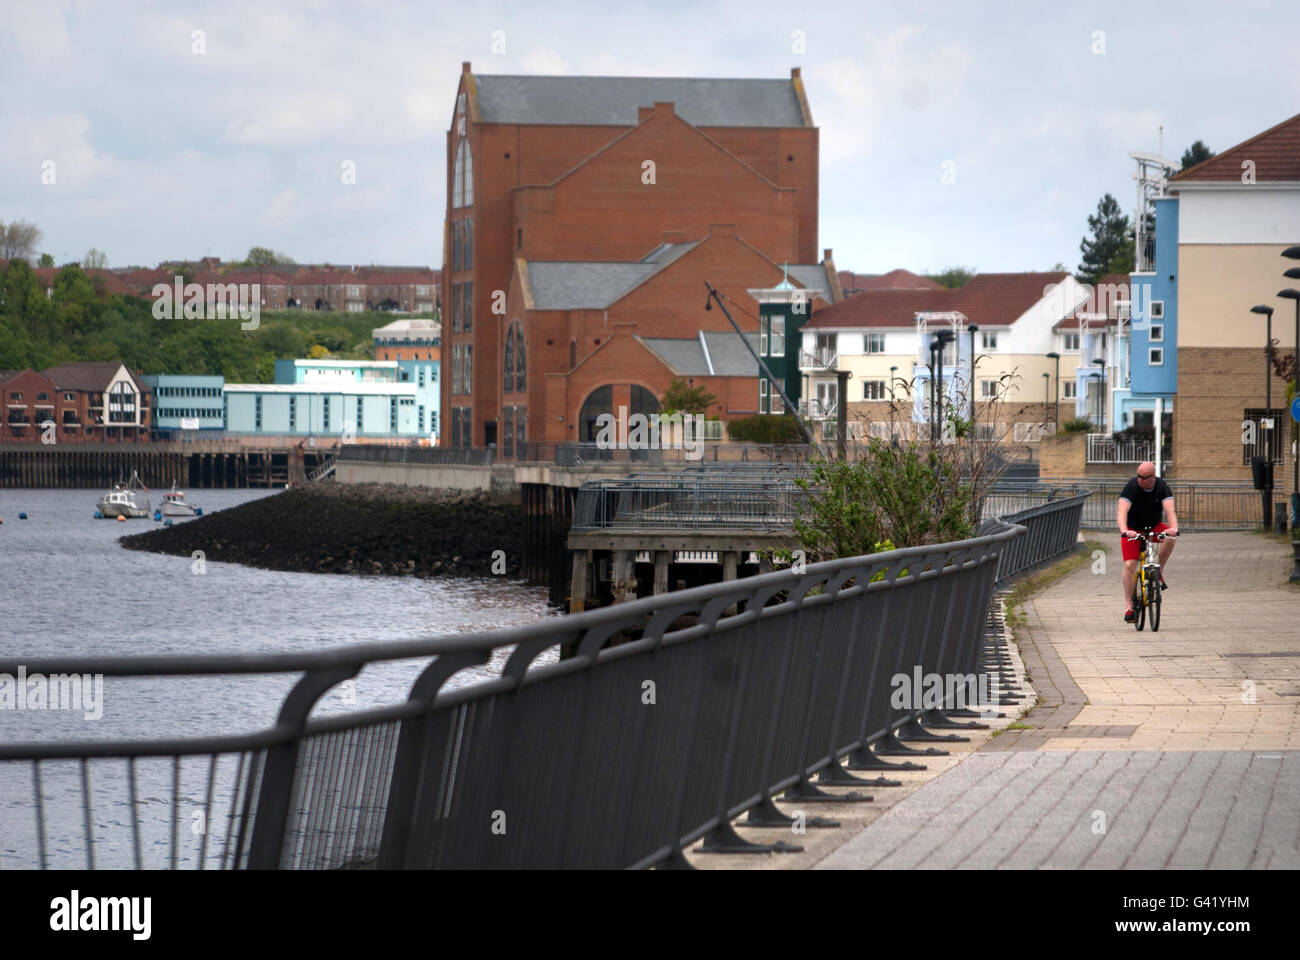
<point x="974" y="134"/>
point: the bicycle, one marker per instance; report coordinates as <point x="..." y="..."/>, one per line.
<point x="1146" y="588"/>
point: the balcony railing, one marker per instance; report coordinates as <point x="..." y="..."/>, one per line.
<point x="818" y="409"/>
<point x="818" y="360"/>
<point x="1103" y="448"/>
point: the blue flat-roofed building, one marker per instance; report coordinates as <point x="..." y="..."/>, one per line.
<point x="371" y="410"/>
<point x="186" y="401"/>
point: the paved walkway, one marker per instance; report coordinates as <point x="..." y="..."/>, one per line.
<point x="1177" y="749"/>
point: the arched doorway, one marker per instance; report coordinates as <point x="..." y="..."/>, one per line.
<point x="602" y="401"/>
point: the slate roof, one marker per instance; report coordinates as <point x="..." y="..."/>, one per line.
<point x="686" y="357"/>
<point x="1275" y="152"/>
<point x="613" y="101"/>
<point x="91" y="376"/>
<point x="567" y="285"/>
<point x="812" y="277"/>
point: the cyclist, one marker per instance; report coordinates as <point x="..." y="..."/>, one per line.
<point x="1142" y="503"/>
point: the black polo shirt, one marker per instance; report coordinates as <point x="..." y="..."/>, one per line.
<point x="1146" y="508"/>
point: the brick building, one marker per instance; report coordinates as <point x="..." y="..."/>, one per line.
<point x="575" y="171"/>
<point x="86" y="401"/>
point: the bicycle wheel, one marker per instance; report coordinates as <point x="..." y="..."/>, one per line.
<point x="1155" y="605"/>
<point x="1139" y="605"/>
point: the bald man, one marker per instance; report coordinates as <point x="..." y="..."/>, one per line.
<point x="1143" y="502"/>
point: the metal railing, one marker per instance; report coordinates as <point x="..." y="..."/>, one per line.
<point x="561" y="764"/>
<point x="1200" y="504"/>
<point x="707" y="451"/>
<point x="1103" y="448"/>
<point x="695" y="501"/>
<point x="818" y="360"/>
<point x="382" y="453"/>
<point x="1053" y="531"/>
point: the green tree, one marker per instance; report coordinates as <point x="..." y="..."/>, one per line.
<point x="47" y="260"/>
<point x="266" y="257"/>
<point x="903" y="494"/>
<point x="94" y="260"/>
<point x="1198" y="152"/>
<point x="18" y="240"/>
<point x="952" y="278"/>
<point x="1110" y="248"/>
<point x="681" y="397"/>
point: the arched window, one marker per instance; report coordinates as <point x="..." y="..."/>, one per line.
<point x="515" y="359"/>
<point x="462" y="184"/>
<point x="509" y="380"/>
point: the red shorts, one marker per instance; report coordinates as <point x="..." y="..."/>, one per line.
<point x="1132" y="551"/>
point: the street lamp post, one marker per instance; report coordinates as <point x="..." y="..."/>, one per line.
<point x="1097" y="376"/>
<point x="1100" y="362"/>
<point x="1047" y="385"/>
<point x="893" y="412"/>
<point x="1056" y="407"/>
<point x="1267" y="312"/>
<point x="1293" y="273"/>
<point x="941" y="340"/>
<point x="972" y="328"/>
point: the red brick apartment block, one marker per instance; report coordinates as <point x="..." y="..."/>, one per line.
<point x="580" y="170"/>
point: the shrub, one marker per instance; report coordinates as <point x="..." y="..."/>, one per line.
<point x="765" y="428"/>
<point x="1076" y="425"/>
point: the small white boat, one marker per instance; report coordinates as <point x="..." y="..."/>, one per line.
<point x="175" y="505"/>
<point x="125" y="499"/>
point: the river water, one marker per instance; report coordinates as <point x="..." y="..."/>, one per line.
<point x="71" y="590"/>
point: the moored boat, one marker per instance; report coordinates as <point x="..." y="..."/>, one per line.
<point x="125" y="499"/>
<point x="174" y="504"/>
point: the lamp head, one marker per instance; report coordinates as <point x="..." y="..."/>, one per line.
<point x="1292" y="273"/>
<point x="973" y="327"/>
<point x="1290" y="293"/>
<point x="1292" y="252"/>
<point x="1099" y="362"/>
<point x="1262" y="309"/>
<point x="1053" y="356"/>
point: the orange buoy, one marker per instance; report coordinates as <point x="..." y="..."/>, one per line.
<point x="121" y="519"/>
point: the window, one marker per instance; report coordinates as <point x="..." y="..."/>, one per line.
<point x="455" y="244"/>
<point x="507" y="431"/>
<point x="455" y="369"/>
<point x="467" y="376"/>
<point x="1156" y="356"/>
<point x="1157" y="333"/>
<point x="257" y="412"/>
<point x="15" y="395"/>
<point x="1071" y="341"/>
<point x="1157" y="309"/>
<point x="873" y="389"/>
<point x="354" y="290"/>
<point x="361" y="414"/>
<point x="989" y="340"/>
<point x="419" y="426"/>
<point x="70" y="397"/>
<point x="467" y="307"/>
<point x="710" y="429"/>
<point x="467" y="254"/>
<point x="121" y="403"/>
<point x="521" y="427"/>
<point x="462" y="187"/>
<point x="326" y="408"/>
<point x="392" y="414"/>
<point x="988" y="389"/>
<point x="1069" y="389"/>
<point x="762" y="395"/>
<point x="420" y="376"/>
<point x="875" y="343"/>
<point x="508" y="375"/>
<point x="777" y="342"/>
<point x="1266" y="441"/>
<point x="293" y="414"/>
<point x="43" y="396"/>
<point x="986" y="432"/>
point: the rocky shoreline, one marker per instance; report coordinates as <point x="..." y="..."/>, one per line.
<point x="354" y="528"/>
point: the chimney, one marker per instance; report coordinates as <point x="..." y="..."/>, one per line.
<point x="464" y="67"/>
<point x="826" y="254"/>
<point x="794" y="73"/>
